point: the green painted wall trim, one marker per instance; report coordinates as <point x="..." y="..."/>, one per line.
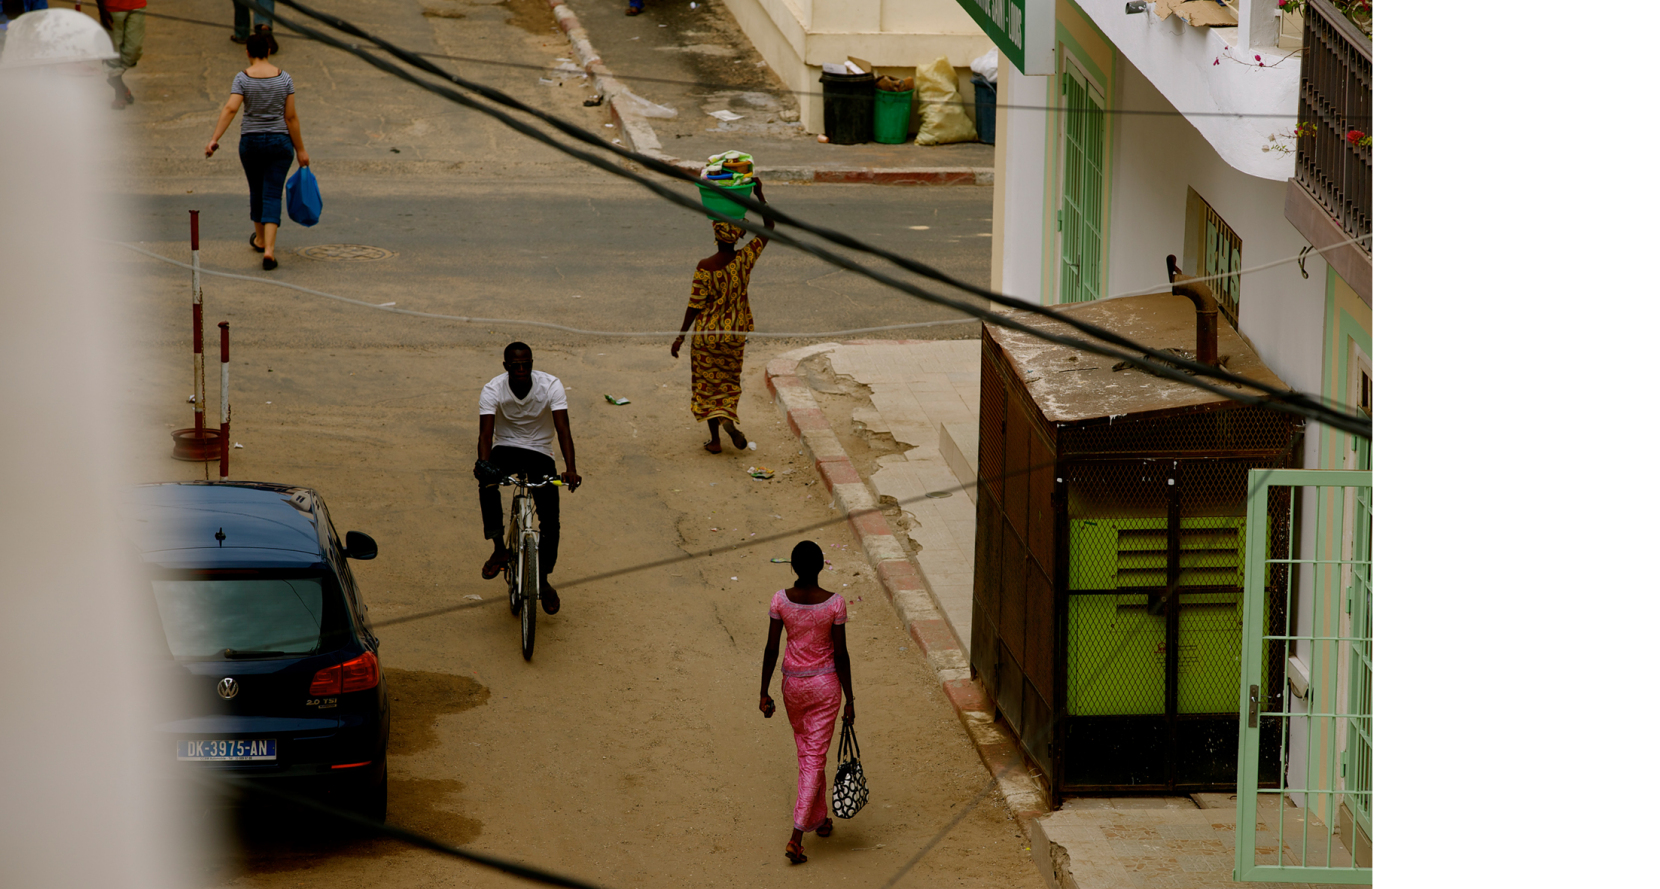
<point x="1341" y="328"/>
<point x="1075" y="33"/>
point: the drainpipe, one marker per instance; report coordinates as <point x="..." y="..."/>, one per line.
<point x="1204" y="309"/>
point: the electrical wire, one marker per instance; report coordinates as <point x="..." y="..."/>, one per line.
<point x="1168" y="365"/>
<point x="712" y="85"/>
<point x="818" y="334"/>
<point x="513" y="868"/>
<point x="1287" y="398"/>
<point x="822" y="334"/>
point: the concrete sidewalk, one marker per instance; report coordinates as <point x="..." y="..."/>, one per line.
<point x="925" y="395"/>
<point x="694" y="59"/>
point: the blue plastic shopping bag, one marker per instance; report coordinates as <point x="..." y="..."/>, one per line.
<point x="305" y="203"/>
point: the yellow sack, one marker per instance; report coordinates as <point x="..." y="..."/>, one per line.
<point x="943" y="118"/>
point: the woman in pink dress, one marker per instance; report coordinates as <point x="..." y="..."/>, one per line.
<point x="817" y="674"/>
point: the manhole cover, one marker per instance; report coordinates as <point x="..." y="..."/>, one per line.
<point x="346" y="252"/>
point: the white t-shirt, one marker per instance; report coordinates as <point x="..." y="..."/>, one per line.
<point x="526" y="423"/>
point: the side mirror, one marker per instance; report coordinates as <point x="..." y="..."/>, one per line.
<point x="360" y="546"/>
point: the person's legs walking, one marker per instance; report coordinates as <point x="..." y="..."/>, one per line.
<point x="239" y="23"/>
<point x="279" y="153"/>
<point x="253" y="167"/>
<point x="812" y="703"/>
<point x="121" y="23"/>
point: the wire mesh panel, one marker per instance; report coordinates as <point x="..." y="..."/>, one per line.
<point x="1152" y="646"/>
<point x="1012" y="651"/>
<point x="1312" y="820"/>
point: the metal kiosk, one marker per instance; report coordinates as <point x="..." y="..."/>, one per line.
<point x="1118" y="670"/>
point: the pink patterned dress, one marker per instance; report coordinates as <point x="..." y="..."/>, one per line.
<point x="812" y="695"/>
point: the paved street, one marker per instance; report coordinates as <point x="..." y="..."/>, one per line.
<point x="629" y="752"/>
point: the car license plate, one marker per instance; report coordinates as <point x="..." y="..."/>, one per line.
<point x="229" y="750"/>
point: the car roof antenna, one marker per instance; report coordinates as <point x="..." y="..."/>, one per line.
<point x="220" y="536"/>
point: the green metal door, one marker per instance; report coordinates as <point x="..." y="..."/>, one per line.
<point x="1082" y="188"/>
<point x="1311" y="823"/>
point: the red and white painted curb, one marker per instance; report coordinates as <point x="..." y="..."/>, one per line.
<point x="637" y="134"/>
<point x="903" y="583"/>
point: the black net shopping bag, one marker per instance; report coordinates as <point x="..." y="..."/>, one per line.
<point x="849" y="793"/>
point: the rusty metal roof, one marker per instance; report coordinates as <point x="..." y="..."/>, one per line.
<point x="1070" y="386"/>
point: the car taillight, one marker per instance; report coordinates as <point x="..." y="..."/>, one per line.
<point x="359" y="673"/>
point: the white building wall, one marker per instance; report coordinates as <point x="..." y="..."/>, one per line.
<point x="1155" y="159"/>
<point x="1018" y="197"/>
<point x="1211" y="70"/>
<point x="796" y="37"/>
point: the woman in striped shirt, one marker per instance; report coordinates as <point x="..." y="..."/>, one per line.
<point x="270" y="139"/>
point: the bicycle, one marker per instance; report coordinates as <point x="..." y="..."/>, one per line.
<point x="524" y="543"/>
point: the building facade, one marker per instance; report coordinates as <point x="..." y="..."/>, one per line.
<point x="1135" y="131"/>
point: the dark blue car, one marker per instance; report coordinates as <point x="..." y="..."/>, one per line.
<point x="277" y="667"/>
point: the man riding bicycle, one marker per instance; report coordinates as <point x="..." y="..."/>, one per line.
<point x="518" y="414"/>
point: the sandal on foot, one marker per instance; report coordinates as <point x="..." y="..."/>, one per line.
<point x="738" y="439"/>
<point x="550" y="598"/>
<point x="825" y="828"/>
<point x="712" y="447"/>
<point x="253" y="241"/>
<point x="792" y="851"/>
<point x="634" y="10"/>
<point x="269" y="263"/>
<point x="495" y="564"/>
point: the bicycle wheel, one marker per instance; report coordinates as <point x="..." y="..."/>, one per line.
<point x="528" y="591"/>
<point x="514" y="600"/>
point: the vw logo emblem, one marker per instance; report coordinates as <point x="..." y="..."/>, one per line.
<point x="228" y="688"/>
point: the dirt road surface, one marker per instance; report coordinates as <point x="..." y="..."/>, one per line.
<point x="629" y="752"/>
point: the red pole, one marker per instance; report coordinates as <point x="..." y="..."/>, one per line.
<point x="196" y="312"/>
<point x="224" y="399"/>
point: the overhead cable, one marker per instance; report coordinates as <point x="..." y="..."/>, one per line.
<point x="809" y="335"/>
<point x="1278" y="399"/>
<point x="715" y="85"/>
<point x="1168" y="365"/>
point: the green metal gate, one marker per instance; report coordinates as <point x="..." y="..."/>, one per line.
<point x="1313" y="821"/>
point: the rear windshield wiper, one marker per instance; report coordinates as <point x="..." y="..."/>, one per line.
<point x="233" y="654"/>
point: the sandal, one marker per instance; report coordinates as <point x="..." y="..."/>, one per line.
<point x="268" y="263"/>
<point x="495" y="564"/>
<point x="738" y="439"/>
<point x="825" y="828"/>
<point x="712" y="447"/>
<point x="253" y="241"/>
<point x="792" y="851"/>
<point x="634" y="10"/>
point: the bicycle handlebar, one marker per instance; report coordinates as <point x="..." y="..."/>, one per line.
<point x="525" y="481"/>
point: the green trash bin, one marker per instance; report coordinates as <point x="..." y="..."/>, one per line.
<point x="893" y="117"/>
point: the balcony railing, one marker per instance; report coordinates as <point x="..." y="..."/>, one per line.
<point x="1334" y="155"/>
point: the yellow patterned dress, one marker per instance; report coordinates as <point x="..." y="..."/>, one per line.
<point x="721" y="298"/>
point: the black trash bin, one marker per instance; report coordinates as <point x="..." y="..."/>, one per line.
<point x="985" y="109"/>
<point x="849" y="107"/>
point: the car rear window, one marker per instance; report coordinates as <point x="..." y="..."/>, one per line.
<point x="258" y="616"/>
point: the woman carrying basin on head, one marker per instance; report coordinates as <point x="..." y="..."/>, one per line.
<point x="720" y="301"/>
<point x="817" y="674"/>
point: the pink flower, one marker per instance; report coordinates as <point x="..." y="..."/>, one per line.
<point x="1259" y="58"/>
<point x="1218" y="61"/>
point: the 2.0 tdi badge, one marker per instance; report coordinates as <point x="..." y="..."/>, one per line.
<point x="228" y="688"/>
